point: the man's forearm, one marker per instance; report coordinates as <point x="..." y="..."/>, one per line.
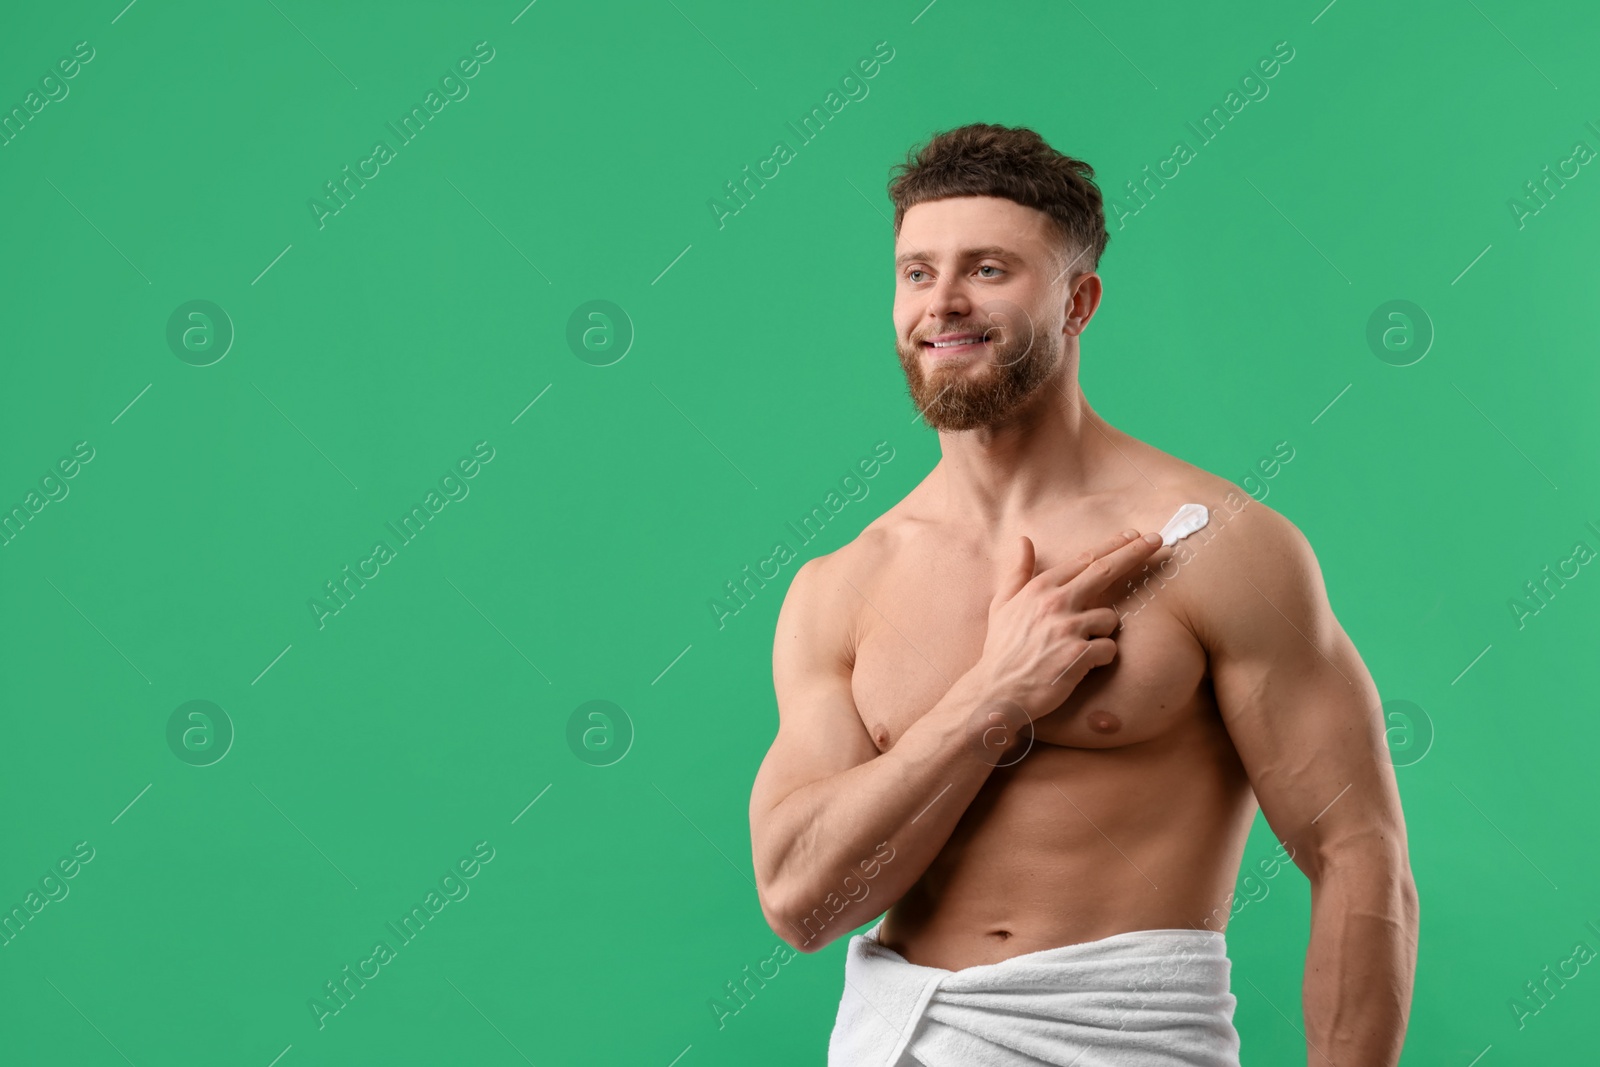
<point x="821" y="852"/>
<point x="1361" y="962"/>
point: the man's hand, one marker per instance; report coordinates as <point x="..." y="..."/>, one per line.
<point x="1048" y="630"/>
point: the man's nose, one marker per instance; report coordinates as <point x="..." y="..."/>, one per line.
<point x="950" y="299"/>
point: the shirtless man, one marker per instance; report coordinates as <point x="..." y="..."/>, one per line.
<point x="1011" y="720"/>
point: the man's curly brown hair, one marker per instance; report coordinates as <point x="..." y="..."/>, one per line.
<point x="1014" y="163"/>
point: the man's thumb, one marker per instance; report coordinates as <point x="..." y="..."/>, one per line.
<point x="1020" y="574"/>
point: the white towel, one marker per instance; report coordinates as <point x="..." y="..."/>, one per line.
<point x="1150" y="998"/>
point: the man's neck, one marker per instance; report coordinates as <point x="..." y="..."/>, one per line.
<point x="1054" y="448"/>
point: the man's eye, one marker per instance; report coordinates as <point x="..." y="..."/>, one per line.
<point x="986" y="266"/>
<point x="911" y="274"/>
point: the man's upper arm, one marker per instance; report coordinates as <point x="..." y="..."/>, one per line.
<point x="820" y="733"/>
<point x="1297" y="700"/>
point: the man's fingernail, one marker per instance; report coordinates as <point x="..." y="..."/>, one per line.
<point x="1130" y="533"/>
<point x="1152" y="538"/>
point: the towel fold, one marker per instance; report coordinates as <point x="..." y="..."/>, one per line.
<point x="1146" y="998"/>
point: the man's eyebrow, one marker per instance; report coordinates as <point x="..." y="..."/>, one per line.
<point x="966" y="253"/>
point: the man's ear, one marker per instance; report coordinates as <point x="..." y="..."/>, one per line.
<point x="1083" y="299"/>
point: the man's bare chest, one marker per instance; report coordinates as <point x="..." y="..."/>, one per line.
<point x="922" y="621"/>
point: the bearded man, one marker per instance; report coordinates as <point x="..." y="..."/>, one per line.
<point x="1029" y="714"/>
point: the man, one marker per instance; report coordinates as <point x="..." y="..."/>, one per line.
<point x="1037" y="738"/>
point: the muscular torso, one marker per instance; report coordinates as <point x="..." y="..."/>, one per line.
<point x="1129" y="810"/>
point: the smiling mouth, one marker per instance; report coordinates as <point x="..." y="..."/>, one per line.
<point x="956" y="345"/>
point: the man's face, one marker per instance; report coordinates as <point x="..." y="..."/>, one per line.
<point x="978" y="308"/>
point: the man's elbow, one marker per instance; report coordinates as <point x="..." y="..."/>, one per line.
<point x="1362" y="851"/>
<point x="807" y="945"/>
<point x="781" y="919"/>
<point x="1374" y="864"/>
<point x="1410" y="903"/>
<point x="1403" y="912"/>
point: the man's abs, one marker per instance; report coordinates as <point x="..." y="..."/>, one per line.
<point x="1072" y="845"/>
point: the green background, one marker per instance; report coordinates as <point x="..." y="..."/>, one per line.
<point x="373" y="753"/>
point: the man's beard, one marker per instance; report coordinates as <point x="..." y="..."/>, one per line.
<point x="951" y="399"/>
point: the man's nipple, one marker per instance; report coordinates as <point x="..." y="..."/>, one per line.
<point x="1103" y="722"/>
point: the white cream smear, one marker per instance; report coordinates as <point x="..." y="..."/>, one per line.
<point x="1189" y="519"/>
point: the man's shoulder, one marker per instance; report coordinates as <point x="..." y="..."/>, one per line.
<point x="830" y="590"/>
<point x="852" y="564"/>
<point x="1173" y="482"/>
<point x="888" y="534"/>
<point x="1250" y="566"/>
<point x="1249" y="535"/>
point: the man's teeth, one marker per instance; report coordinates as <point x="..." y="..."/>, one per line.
<point x="953" y="344"/>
